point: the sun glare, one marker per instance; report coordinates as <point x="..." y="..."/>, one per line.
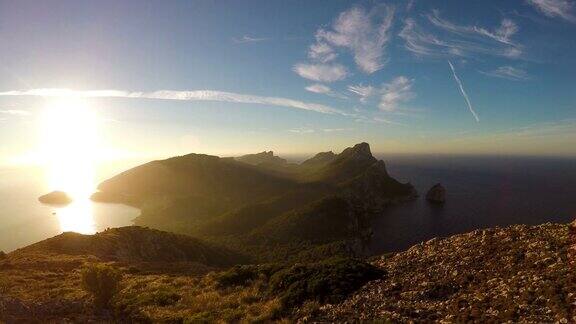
<point x="69" y="140"/>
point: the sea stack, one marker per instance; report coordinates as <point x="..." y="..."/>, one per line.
<point x="55" y="198"/>
<point x="436" y="194"/>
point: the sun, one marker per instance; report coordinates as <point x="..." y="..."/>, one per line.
<point x="69" y="146"/>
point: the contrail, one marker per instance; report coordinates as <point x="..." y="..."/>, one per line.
<point x="463" y="92"/>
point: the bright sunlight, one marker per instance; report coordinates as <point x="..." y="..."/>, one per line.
<point x="69" y="139"/>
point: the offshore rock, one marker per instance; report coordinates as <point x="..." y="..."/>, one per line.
<point x="436" y="194"/>
<point x="55" y="198"/>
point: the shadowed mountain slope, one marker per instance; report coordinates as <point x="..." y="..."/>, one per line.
<point x="135" y="244"/>
<point x="261" y="195"/>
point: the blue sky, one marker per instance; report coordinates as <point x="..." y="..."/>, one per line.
<point x="296" y="76"/>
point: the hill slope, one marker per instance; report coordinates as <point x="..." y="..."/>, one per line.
<point x="134" y="244"/>
<point x="240" y="202"/>
<point x="515" y="274"/>
<point x="518" y="274"/>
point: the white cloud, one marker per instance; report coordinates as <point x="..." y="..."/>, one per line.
<point x="458" y="40"/>
<point x="365" y="34"/>
<point x="14" y="112"/>
<point x="318" y="88"/>
<point x="508" y="72"/>
<point x="395" y="92"/>
<point x="377" y="120"/>
<point x="390" y="95"/>
<point x="362" y="91"/>
<point x="464" y="94"/>
<point x="249" y="39"/>
<point x="194" y="95"/>
<point x="555" y="8"/>
<point x="501" y="34"/>
<point x="326" y="90"/>
<point x="321" y="52"/>
<point x="302" y="130"/>
<point x="321" y="72"/>
<point x="334" y="130"/>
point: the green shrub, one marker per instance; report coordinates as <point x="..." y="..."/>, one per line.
<point x="325" y="281"/>
<point x="239" y="275"/>
<point x="164" y="296"/>
<point x="244" y="275"/>
<point x="102" y="282"/>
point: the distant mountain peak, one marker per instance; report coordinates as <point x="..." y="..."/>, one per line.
<point x="265" y="157"/>
<point x="360" y="149"/>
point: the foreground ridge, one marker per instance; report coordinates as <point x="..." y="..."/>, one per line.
<point x="518" y="274"/>
<point x="514" y="274"/>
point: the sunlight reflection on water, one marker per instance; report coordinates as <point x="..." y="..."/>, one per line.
<point x="69" y="142"/>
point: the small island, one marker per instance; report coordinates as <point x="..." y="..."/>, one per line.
<point x="55" y="198"/>
<point x="436" y="194"/>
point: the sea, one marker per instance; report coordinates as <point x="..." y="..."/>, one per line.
<point x="482" y="192"/>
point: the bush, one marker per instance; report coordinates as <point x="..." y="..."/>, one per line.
<point x="236" y="276"/>
<point x="102" y="282"/>
<point x="164" y="296"/>
<point x="325" y="281"/>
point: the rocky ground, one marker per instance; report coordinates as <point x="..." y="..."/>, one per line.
<point x="513" y="274"/>
<point x="518" y="274"/>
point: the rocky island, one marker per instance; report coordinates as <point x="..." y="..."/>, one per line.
<point x="55" y="198"/>
<point x="436" y="194"/>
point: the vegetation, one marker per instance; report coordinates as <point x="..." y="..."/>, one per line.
<point x="325" y="281"/>
<point x="272" y="241"/>
<point x="45" y="280"/>
<point x="261" y="206"/>
<point x="102" y="282"/>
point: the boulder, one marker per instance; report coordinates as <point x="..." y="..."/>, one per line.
<point x="436" y="194"/>
<point x="55" y="198"/>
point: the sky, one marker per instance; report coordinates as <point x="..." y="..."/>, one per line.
<point x="230" y="77"/>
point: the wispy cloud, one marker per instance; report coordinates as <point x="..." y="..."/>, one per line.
<point x="302" y="130"/>
<point x="334" y="130"/>
<point x="307" y="130"/>
<point x="324" y="89"/>
<point x="194" y="95"/>
<point x="14" y="112"/>
<point x="459" y="40"/>
<point x="555" y="8"/>
<point x="362" y="91"/>
<point x="508" y="72"/>
<point x="377" y="120"/>
<point x="321" y="72"/>
<point x="318" y="88"/>
<point x="249" y="39"/>
<point x="464" y="94"/>
<point x="321" y="52"/>
<point x="395" y="92"/>
<point x="502" y="33"/>
<point x="390" y="95"/>
<point x="364" y="33"/>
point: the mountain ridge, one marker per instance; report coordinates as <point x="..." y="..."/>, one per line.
<point x="236" y="201"/>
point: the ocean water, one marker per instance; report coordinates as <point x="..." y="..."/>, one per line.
<point x="481" y="192"/>
<point x="24" y="220"/>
